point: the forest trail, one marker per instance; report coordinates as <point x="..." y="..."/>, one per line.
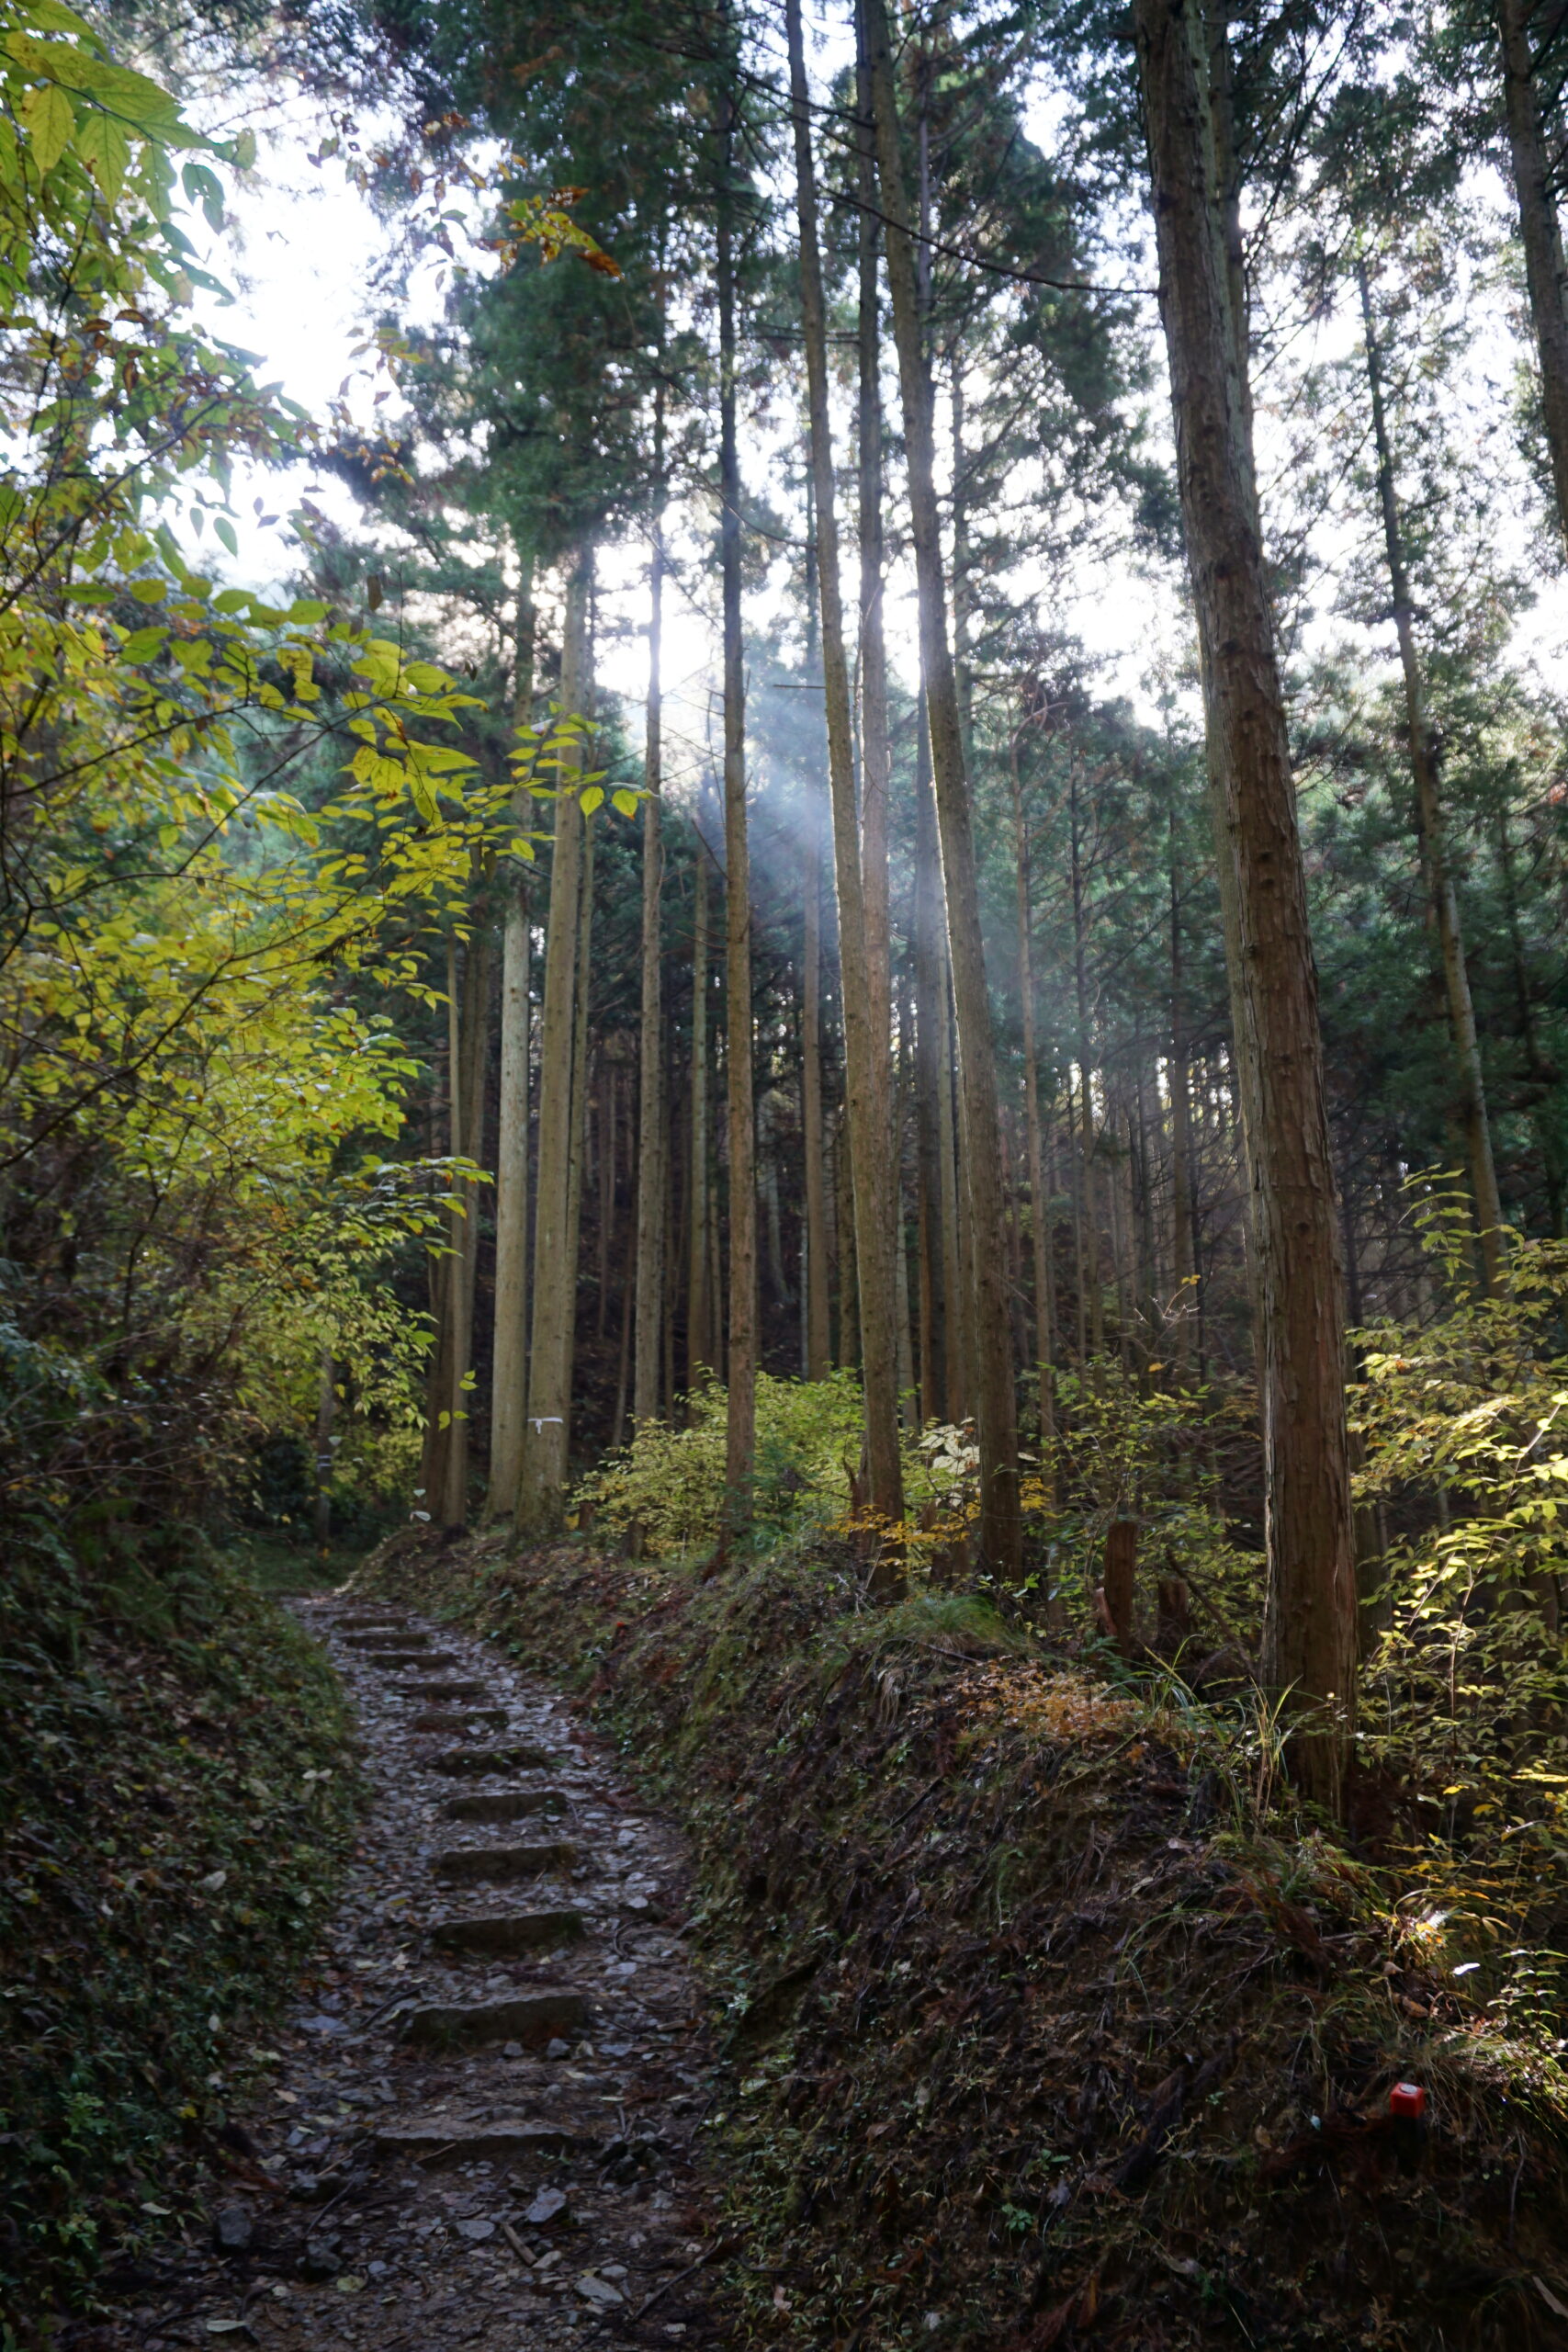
<point x="481" y="2128"/>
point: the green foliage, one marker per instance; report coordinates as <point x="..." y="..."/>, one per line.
<point x="175" y="1800"/>
<point x="670" y="1482"/>
<point x="1463" y="1425"/>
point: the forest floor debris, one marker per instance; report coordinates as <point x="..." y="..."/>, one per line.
<point x="476" y="2145"/>
<point x="1038" y="2034"/>
<point x="177" y="1791"/>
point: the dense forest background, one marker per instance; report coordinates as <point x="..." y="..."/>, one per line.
<point x="888" y="1073"/>
<point x="863" y="862"/>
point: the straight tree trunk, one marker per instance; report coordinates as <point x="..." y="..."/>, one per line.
<point x="606" y="1092"/>
<point x="1001" y="1527"/>
<point x="555" y="1269"/>
<point x="876" y="763"/>
<point x="1309" y="1608"/>
<point x="1038" y="1205"/>
<point x="937" y="1303"/>
<point x="1089" y="1255"/>
<point x="863" y="979"/>
<point x="651" y="1178"/>
<point x="699" y="1334"/>
<point x="849" y="1271"/>
<point x="578" y="1171"/>
<point x="448" y="1458"/>
<point x="478" y="973"/>
<point x="818" y="1296"/>
<point x="741" y="1425"/>
<point x="1544" y="1077"/>
<point x="326" y="1412"/>
<point x="1182" y="1253"/>
<point x="508" y="1378"/>
<point x="1540" y="234"/>
<point x="955" y="1282"/>
<point x="815" y="1292"/>
<point x="1471" y="1102"/>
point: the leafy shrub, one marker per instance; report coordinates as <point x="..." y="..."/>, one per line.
<point x="1466" y="1440"/>
<point x="667" y="1490"/>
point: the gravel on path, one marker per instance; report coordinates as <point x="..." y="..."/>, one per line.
<point x="480" y="2122"/>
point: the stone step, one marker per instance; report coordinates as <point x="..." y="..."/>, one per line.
<point x="502" y="1864"/>
<point x="455" y="1727"/>
<point x="499" y="2141"/>
<point x="387" y="1623"/>
<point x="507" y="1931"/>
<point x="517" y="2017"/>
<point x="441" y="1693"/>
<point x="504" y="1804"/>
<point x="435" y="1659"/>
<point x="490" y="1759"/>
<point x="395" y="1638"/>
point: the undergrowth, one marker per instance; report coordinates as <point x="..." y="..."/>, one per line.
<point x="1040" y="2026"/>
<point x="176" y="1797"/>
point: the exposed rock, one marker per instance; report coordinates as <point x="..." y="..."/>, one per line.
<point x="512" y="1758"/>
<point x="524" y="2016"/>
<point x="507" y="1931"/>
<point x="500" y="1865"/>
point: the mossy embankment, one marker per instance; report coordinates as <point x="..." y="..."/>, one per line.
<point x="177" y="1790"/>
<point x="1037" y="2033"/>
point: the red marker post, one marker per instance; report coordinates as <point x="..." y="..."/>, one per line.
<point x="1407" y="2110"/>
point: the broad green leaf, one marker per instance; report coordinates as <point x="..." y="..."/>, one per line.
<point x="625" y="802"/>
<point x="149" y="591"/>
<point x="50" y="122"/>
<point x="143" y="644"/>
<point x="55" y="17"/>
<point x="105" y="149"/>
<point x="591" y="798"/>
<point x="200" y="184"/>
<point x="224" y="530"/>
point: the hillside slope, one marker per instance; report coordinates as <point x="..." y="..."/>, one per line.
<point x="1037" y="2033"/>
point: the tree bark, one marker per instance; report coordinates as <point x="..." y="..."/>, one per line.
<point x="446" y="1450"/>
<point x="326" y="1412"/>
<point x="555" y="1269"/>
<point x="937" y="1303"/>
<point x="1090" y="1256"/>
<point x="1424" y="765"/>
<point x="649" y="1314"/>
<point x="1183" y="1254"/>
<point x="863" y="988"/>
<point x="1309" y="1608"/>
<point x="741" y="1424"/>
<point x="1540" y="234"/>
<point x="1001" y="1528"/>
<point x="699" y="1335"/>
<point x="508" y="1378"/>
<point x="1038" y="1206"/>
<point x="818" y="1294"/>
<point x="578" y="1169"/>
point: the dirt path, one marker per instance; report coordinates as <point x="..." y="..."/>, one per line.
<point x="481" y="2119"/>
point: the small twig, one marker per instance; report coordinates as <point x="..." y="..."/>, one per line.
<point x="515" y="2243"/>
<point x="899" y="1818"/>
<point x="332" y="2203"/>
<point x="710" y="2254"/>
<point x="406" y="1993"/>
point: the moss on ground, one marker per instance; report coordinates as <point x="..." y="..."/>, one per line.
<point x="1035" y="2033"/>
<point x="177" y="1795"/>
